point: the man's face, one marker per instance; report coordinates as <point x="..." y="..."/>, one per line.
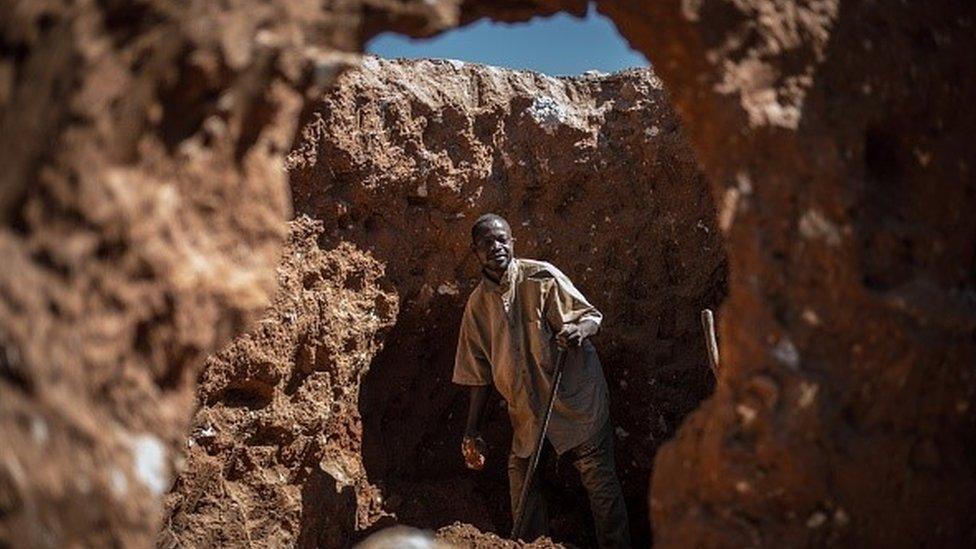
<point x="493" y="245"/>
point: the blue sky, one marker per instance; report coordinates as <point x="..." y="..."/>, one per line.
<point x="557" y="45"/>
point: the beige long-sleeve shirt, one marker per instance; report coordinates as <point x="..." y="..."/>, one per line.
<point x="507" y="337"/>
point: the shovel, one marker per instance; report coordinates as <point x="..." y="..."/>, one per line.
<point x="518" y="525"/>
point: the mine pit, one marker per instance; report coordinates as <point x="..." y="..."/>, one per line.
<point x="228" y="280"/>
<point x="392" y="166"/>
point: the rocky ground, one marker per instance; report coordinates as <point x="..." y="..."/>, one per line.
<point x="465" y="535"/>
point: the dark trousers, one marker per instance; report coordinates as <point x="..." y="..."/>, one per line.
<point x="594" y="461"/>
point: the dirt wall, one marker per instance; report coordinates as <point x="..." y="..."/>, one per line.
<point x="835" y="138"/>
<point x="594" y="175"/>
<point x="395" y="162"/>
<point x="273" y="455"/>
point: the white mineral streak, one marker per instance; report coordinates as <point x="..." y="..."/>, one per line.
<point x="548" y="113"/>
<point x="371" y="63"/>
<point x="691" y="10"/>
<point x="117" y="482"/>
<point x="39" y="430"/>
<point x="727" y="209"/>
<point x="816" y="520"/>
<point x="730" y="200"/>
<point x="746" y="413"/>
<point x="811" y="317"/>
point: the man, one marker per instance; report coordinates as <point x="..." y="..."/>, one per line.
<point x="514" y="323"/>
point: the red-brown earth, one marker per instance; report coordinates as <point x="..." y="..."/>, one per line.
<point x="140" y="143"/>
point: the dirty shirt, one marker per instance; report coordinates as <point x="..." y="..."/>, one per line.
<point x="507" y="337"/>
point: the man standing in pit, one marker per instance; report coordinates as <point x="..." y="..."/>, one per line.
<point x="515" y="321"/>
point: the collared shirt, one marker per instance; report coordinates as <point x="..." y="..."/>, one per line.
<point x="507" y="338"/>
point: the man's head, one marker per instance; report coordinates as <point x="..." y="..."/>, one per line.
<point x="492" y="242"/>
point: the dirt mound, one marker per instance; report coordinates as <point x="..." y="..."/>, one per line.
<point x="465" y="535"/>
<point x="273" y="457"/>
<point x="457" y="535"/>
<point x="595" y="176"/>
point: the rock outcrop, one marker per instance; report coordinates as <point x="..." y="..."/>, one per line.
<point x="274" y="454"/>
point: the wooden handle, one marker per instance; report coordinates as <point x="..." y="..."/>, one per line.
<point x="518" y="520"/>
<point x="708" y="326"/>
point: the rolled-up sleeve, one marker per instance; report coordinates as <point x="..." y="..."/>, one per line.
<point x="471" y="365"/>
<point x="566" y="305"/>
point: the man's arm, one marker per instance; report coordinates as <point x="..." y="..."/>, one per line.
<point x="570" y="312"/>
<point x="479" y="394"/>
<point x="472" y="368"/>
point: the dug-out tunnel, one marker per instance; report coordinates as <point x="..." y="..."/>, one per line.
<point x="595" y="175"/>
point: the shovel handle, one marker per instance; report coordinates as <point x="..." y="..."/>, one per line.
<point x="711" y="344"/>
<point x="518" y="523"/>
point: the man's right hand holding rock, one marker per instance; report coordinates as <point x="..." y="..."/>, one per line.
<point x="473" y="450"/>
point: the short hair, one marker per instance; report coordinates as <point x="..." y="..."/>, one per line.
<point x="485" y="219"/>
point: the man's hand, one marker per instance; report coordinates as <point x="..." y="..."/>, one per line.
<point x="572" y="335"/>
<point x="473" y="450"/>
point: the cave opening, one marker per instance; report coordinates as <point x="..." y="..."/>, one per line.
<point x="596" y="176"/>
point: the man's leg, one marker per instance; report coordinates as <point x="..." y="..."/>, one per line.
<point x="594" y="461"/>
<point x="536" y="522"/>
